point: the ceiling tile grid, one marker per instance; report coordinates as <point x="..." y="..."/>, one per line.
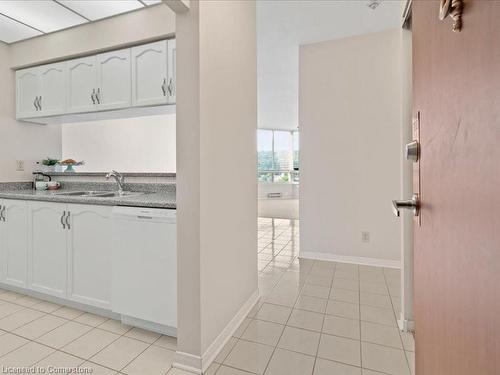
<point x="23" y="19"/>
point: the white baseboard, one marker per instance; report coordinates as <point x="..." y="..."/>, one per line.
<point x="406" y="325"/>
<point x="150" y="326"/>
<point x="188" y="362"/>
<point x="388" y="263"/>
<point x="62" y="301"/>
<point x="198" y="365"/>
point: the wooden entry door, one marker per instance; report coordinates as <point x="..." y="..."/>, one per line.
<point x="457" y="247"/>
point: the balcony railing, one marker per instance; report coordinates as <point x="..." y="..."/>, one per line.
<point x="278" y="176"/>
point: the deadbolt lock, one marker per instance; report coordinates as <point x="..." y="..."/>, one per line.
<point x="413" y="151"/>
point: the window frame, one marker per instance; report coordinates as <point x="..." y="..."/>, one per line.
<point x="293" y="174"/>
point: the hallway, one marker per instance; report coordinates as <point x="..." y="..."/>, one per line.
<point x="317" y="317"/>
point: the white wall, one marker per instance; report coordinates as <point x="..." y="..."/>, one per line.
<point x="284" y="25"/>
<point x="142" y="144"/>
<point x="115" y="32"/>
<point x="21" y="141"/>
<point x="350" y="116"/>
<point x="278" y="82"/>
<point x="216" y="174"/>
<point x="32" y="143"/>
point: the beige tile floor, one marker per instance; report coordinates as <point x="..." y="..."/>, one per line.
<point x="317" y="318"/>
<point x="314" y="318"/>
<point x="42" y="334"/>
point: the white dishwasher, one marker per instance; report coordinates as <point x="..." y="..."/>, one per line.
<point x="144" y="281"/>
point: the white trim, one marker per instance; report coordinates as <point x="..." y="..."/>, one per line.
<point x="150" y="326"/>
<point x="62" y="301"/>
<point x="178" y="6"/>
<point x="388" y="263"/>
<point x="213" y="350"/>
<point x="406" y="325"/>
<point x="188" y="362"/>
<point x="198" y="365"/>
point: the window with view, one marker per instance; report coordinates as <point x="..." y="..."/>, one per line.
<point x="277" y="155"/>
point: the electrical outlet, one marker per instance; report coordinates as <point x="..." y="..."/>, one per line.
<point x="365" y="236"/>
<point x="19" y="165"/>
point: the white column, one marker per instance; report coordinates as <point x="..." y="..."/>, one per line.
<point x="216" y="176"/>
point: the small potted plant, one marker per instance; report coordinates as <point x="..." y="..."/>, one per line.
<point x="49" y="164"/>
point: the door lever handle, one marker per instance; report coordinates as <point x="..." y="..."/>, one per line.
<point x="409" y="204"/>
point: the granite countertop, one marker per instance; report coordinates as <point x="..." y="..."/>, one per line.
<point x="102" y="174"/>
<point x="163" y="198"/>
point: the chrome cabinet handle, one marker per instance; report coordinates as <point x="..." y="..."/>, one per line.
<point x="35" y="102"/>
<point x="3" y="213"/>
<point x="92" y="96"/>
<point x="170" y="87"/>
<point x="98" y="96"/>
<point x="62" y="219"/>
<point x="163" y="86"/>
<point x="67" y="220"/>
<point x="1" y="217"/>
<point x="40" y="102"/>
<point x="409" y="204"/>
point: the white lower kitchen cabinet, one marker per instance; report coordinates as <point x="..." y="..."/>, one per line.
<point x="89" y="251"/>
<point x="48" y="257"/>
<point x="120" y="260"/>
<point x="13" y="242"/>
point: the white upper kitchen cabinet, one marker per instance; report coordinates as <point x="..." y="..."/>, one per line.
<point x="13" y="242"/>
<point x="171" y="70"/>
<point x="119" y="81"/>
<point x="48" y="261"/>
<point x="81" y="85"/>
<point x="27" y="93"/>
<point x="90" y="252"/>
<point x="113" y="80"/>
<point x="149" y="74"/>
<point x="52" y="98"/>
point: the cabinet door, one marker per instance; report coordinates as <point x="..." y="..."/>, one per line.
<point x="14" y="242"/>
<point x="52" y="89"/>
<point x="27" y="91"/>
<point x="90" y="255"/>
<point x="171" y="71"/>
<point x="47" y="248"/>
<point x="81" y="85"/>
<point x="149" y="74"/>
<point x="113" y="80"/>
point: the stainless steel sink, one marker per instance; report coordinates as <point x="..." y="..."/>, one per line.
<point x="99" y="194"/>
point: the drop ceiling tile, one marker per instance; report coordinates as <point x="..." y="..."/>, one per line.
<point x="44" y="15"/>
<point x="12" y="31"/>
<point x="94" y="10"/>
